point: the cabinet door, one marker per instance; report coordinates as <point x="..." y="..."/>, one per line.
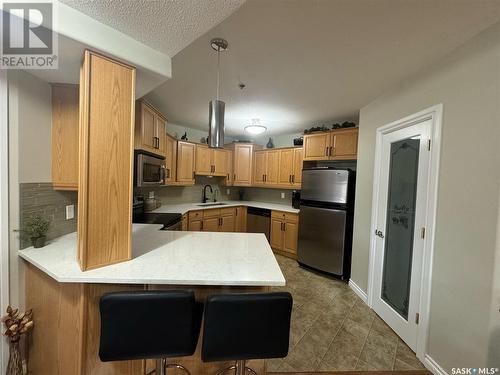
<point x="184" y="222"/>
<point x="243" y="165"/>
<point x="297" y="167"/>
<point x="203" y="160"/>
<point x="65" y="107"/>
<point x="277" y="233"/>
<point x="286" y="166"/>
<point x="259" y="167"/>
<point x="148" y="125"/>
<point x="170" y="159"/>
<point x="316" y="146"/>
<point x="185" y="162"/>
<point x="211" y="224"/>
<point x="195" y="225"/>
<point x="291" y="227"/>
<point x="228" y="223"/>
<point x="272" y="167"/>
<point x="220" y="162"/>
<point x="241" y="219"/>
<point x="161" y="132"/>
<point x="344" y="144"/>
<point x="229" y="168"/>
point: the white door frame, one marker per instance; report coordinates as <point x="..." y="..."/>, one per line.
<point x="4" y="211"/>
<point x="434" y="114"/>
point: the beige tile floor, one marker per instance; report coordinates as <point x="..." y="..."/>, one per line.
<point x="332" y="329"/>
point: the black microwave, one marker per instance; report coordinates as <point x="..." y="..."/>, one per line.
<point x="149" y="169"/>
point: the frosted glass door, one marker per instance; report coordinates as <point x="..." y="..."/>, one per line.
<point x="399" y="233"/>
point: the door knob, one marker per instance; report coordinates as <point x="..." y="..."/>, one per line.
<point x="379" y="233"/>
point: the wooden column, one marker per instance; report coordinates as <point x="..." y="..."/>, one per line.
<point x="107" y="90"/>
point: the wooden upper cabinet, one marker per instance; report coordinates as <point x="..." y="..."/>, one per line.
<point x="316" y="146"/>
<point x="344" y="144"/>
<point x="272" y="167"/>
<point x="259" y="168"/>
<point x="106" y="140"/>
<point x="170" y="159"/>
<point x="333" y="145"/>
<point x="297" y="166"/>
<point x="242" y="164"/>
<point x="286" y="166"/>
<point x="220" y="162"/>
<point x="185" y="162"/>
<point x="150" y="128"/>
<point x="65" y="107"/>
<point x="229" y="168"/>
<point x="203" y="165"/>
<point x="211" y="161"/>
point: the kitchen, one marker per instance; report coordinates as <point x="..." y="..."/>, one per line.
<point x="299" y="191"/>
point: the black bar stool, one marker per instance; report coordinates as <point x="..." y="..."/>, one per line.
<point x="149" y="325"/>
<point x="240" y="327"/>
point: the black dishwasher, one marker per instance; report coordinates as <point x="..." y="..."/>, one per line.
<point x="259" y="220"/>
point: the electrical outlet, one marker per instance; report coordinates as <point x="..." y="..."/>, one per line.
<point x="151" y="195"/>
<point x="228" y="191"/>
<point x="70" y="212"/>
<point x="282" y="195"/>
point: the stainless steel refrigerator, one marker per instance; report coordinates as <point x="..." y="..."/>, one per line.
<point x="326" y="215"/>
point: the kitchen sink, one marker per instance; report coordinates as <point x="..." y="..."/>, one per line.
<point x="211" y="204"/>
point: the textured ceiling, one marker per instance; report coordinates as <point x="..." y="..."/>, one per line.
<point x="166" y="25"/>
<point x="309" y="61"/>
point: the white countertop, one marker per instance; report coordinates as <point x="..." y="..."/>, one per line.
<point x="169" y="257"/>
<point x="185" y="207"/>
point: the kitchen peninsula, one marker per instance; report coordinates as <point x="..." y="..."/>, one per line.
<point x="65" y="299"/>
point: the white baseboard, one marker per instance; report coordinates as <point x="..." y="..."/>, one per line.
<point x="361" y="294"/>
<point x="433" y="366"/>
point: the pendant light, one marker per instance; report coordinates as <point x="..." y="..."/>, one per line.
<point x="216" y="107"/>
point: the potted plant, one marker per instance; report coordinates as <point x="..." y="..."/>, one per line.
<point x="36" y="227"/>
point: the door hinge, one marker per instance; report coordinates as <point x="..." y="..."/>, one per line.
<point x="429" y="144"/>
<point x="417" y="318"/>
<point x="422" y="232"/>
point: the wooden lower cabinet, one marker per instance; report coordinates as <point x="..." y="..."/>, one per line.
<point x="284" y="233"/>
<point x="230" y="219"/>
<point x="65" y="339"/>
<point x="185" y="222"/>
<point x="241" y="219"/>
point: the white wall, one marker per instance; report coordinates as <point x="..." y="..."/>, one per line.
<point x="467" y="82"/>
<point x="35" y="124"/>
<point x="30" y="121"/>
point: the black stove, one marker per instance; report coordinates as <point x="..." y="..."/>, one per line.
<point x="167" y="220"/>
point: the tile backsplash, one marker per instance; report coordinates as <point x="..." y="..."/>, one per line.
<point x="42" y="199"/>
<point x="190" y="194"/>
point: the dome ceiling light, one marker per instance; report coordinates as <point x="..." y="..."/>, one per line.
<point x="256" y="128"/>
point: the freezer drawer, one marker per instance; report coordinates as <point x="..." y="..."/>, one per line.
<point x="325" y="185"/>
<point x="322" y="239"/>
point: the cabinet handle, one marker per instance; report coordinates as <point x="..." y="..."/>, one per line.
<point x="284" y="227"/>
<point x="293" y="178"/>
<point x="332" y="149"/>
<point x="193" y="175"/>
<point x="228" y="176"/>
<point x="326" y="152"/>
<point x="234" y="176"/>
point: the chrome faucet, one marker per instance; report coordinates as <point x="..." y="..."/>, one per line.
<point x="204" y="200"/>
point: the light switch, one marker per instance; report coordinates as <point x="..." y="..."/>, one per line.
<point x="70" y="212"/>
<point x="282" y="195"/>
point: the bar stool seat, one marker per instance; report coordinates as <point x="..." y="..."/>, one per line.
<point x="241" y="327"/>
<point x="149" y="325"/>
